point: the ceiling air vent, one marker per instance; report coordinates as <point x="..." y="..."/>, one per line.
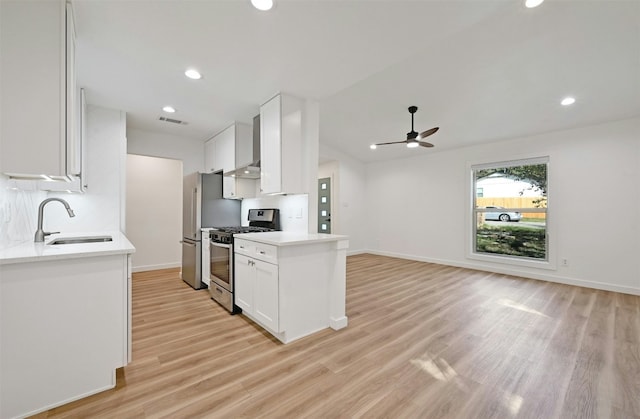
<point x="173" y="121"/>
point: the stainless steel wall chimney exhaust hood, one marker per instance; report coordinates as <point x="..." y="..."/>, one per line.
<point x="251" y="170"/>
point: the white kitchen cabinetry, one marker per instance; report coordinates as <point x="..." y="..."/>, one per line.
<point x="281" y="145"/>
<point x="229" y="187"/>
<point x="219" y="151"/>
<point x="292" y="285"/>
<point x="220" y="155"/>
<point x="209" y="156"/>
<point x="225" y="157"/>
<point x="257" y="293"/>
<point x="65" y="330"/>
<point x="245" y="279"/>
<point x="39" y="101"/>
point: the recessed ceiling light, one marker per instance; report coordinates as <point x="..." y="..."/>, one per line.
<point x="169" y="109"/>
<point x="262" y="4"/>
<point x="568" y="101"/>
<point x="373" y="146"/>
<point x="412" y="144"/>
<point x="193" y="74"/>
<point x="533" y="3"/>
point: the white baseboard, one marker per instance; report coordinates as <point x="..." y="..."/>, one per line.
<point x="515" y="272"/>
<point x="357" y="252"/>
<point x="143" y="268"/>
<point x="339" y="323"/>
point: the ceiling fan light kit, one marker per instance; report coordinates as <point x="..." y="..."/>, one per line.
<point x="413" y="138"/>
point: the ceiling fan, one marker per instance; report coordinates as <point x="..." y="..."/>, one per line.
<point x="413" y="138"/>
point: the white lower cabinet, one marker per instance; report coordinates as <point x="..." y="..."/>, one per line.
<point x="291" y="291"/>
<point x="245" y="277"/>
<point x="265" y="300"/>
<point x="257" y="290"/>
<point x="65" y="330"/>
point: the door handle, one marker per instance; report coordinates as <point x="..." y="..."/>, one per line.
<point x="194" y="213"/>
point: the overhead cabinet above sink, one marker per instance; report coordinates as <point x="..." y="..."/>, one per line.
<point x="39" y="126"/>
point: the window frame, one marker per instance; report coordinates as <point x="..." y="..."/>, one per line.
<point x="550" y="261"/>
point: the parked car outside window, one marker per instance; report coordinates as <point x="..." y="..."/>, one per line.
<point x="502" y="214"/>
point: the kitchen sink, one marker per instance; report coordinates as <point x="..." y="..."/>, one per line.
<point x="79" y="240"/>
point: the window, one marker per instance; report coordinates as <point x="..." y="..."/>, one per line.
<point x="510" y="210"/>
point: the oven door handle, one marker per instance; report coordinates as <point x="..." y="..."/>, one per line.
<point x="226" y="246"/>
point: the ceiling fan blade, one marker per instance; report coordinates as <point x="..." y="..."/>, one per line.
<point x="429" y="132"/>
<point x="393" y="142"/>
<point x="425" y="144"/>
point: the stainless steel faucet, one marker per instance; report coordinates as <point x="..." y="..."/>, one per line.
<point x="40" y="234"/>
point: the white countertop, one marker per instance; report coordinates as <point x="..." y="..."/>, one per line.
<point x="285" y="238"/>
<point x="35" y="252"/>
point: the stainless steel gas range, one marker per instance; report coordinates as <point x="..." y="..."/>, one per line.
<point x="221" y="254"/>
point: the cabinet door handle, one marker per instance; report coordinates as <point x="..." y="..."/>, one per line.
<point x="261" y="252"/>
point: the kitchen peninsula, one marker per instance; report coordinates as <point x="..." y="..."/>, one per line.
<point x="65" y="312"/>
<point x="292" y="284"/>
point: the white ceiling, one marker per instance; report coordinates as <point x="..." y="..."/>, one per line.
<point x="480" y="70"/>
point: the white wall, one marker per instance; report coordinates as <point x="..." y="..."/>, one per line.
<point x="350" y="213"/>
<point x="100" y="208"/>
<point x="310" y="156"/>
<point x="154" y="211"/>
<point x="418" y="207"/>
<point x="147" y="143"/>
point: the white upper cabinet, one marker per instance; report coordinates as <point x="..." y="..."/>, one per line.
<point x="281" y="145"/>
<point x="219" y="151"/>
<point x="209" y="156"/>
<point x="221" y="154"/>
<point x="38" y="133"/>
<point x="225" y="157"/>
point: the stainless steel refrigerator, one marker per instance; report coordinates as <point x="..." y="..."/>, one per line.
<point x="202" y="206"/>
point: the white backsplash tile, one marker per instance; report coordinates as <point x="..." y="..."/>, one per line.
<point x="294" y="210"/>
<point x="19" y="202"/>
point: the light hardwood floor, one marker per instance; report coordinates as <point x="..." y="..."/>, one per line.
<point x="423" y="341"/>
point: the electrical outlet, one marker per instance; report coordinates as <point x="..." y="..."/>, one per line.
<point x="564" y="262"/>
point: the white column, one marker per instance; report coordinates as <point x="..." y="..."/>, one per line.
<point x="338" y="288"/>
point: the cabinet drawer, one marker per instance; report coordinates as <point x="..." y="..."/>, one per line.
<point x="266" y="252"/>
<point x="244" y="247"/>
